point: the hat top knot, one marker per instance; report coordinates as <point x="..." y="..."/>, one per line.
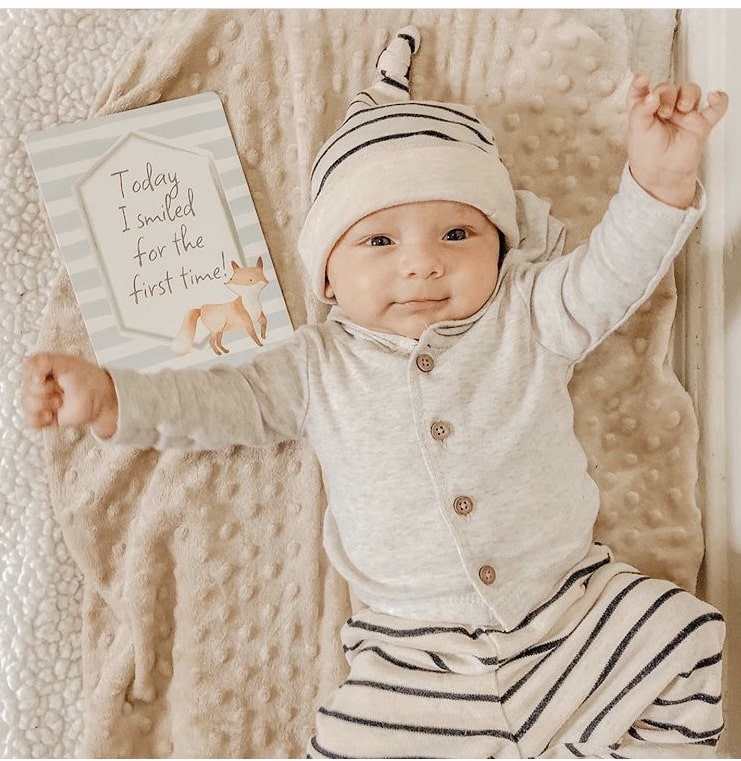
<point x="394" y="62"/>
<point x="393" y="66"/>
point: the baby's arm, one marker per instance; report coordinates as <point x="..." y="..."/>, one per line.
<point x="59" y="389"/>
<point x="667" y="132"/>
<point x="258" y="404"/>
<point x="575" y="301"/>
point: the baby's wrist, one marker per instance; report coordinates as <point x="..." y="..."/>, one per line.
<point x="675" y="189"/>
<point x="105" y="422"/>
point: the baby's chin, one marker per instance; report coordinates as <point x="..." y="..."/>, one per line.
<point x="416" y="324"/>
<point x="412" y="320"/>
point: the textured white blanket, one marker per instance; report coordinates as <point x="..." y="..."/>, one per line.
<point x="52" y="65"/>
<point x="207" y="616"/>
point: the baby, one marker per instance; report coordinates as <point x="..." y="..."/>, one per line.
<point x="460" y="510"/>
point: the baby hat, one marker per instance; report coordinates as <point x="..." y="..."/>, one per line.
<point x="392" y="150"/>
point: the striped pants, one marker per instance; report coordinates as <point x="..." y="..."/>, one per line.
<point x="614" y="665"/>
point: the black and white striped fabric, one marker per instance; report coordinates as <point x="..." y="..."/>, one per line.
<point x="614" y="665"/>
<point x="392" y="150"/>
<point x="398" y="124"/>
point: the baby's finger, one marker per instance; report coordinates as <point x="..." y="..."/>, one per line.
<point x="45" y="396"/>
<point x="39" y="388"/>
<point x="40" y="409"/>
<point x="717" y="106"/>
<point x="638" y="90"/>
<point x="41" y="418"/>
<point x="689" y="96"/>
<point x="667" y="94"/>
<point x="37" y="368"/>
<point x="643" y="110"/>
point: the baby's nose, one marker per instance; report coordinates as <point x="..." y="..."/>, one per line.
<point x="423" y="262"/>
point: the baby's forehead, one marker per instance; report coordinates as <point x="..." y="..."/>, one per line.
<point x="433" y="211"/>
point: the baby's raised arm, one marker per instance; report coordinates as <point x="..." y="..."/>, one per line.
<point x="667" y="132"/>
<point x="59" y="389"/>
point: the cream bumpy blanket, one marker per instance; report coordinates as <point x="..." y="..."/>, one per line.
<point x="210" y="614"/>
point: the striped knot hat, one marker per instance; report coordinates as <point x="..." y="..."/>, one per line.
<point x="392" y="150"/>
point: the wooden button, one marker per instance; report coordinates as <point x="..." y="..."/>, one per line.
<point x="425" y="363"/>
<point x="440" y="430"/>
<point x="463" y="505"/>
<point x="487" y="574"/>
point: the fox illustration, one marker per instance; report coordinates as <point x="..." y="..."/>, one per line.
<point x="241" y="314"/>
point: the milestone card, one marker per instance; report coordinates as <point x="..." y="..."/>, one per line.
<point x="159" y="234"/>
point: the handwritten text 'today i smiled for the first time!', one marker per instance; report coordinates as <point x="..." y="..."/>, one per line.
<point x="153" y="250"/>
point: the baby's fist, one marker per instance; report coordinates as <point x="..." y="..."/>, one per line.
<point x="59" y="389"/>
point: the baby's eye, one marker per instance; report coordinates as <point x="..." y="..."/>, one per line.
<point x="457" y="233"/>
<point x="379" y="240"/>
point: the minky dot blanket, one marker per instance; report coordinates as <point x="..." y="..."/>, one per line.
<point x="179" y="604"/>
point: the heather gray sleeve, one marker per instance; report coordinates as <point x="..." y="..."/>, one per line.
<point x="258" y="405"/>
<point x="576" y="300"/>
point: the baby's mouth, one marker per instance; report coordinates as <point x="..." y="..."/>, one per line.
<point x="421" y="300"/>
<point x="420" y="304"/>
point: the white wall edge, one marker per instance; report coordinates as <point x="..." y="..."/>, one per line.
<point x="708" y="51"/>
<point x="700" y="56"/>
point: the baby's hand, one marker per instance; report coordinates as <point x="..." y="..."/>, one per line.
<point x="667" y="132"/>
<point x="62" y="390"/>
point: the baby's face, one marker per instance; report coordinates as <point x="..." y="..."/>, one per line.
<point x="404" y="268"/>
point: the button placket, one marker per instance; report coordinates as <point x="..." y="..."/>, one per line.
<point x="439" y="430"/>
